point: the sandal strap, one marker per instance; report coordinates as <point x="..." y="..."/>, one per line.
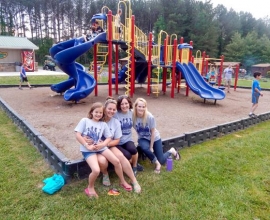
<point x="106" y="180"/>
<point x="137" y="188"/>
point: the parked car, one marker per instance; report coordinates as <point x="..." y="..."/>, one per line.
<point x="49" y="63"/>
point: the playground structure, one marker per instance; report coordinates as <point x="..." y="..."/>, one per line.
<point x="143" y="56"/>
<point x="204" y="62"/>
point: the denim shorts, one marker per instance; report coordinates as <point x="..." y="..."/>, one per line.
<point x="255" y="97"/>
<point x="90" y="153"/>
<point x="23" y="79"/>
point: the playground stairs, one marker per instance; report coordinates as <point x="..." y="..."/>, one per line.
<point x="102" y="53"/>
<point x="155" y="81"/>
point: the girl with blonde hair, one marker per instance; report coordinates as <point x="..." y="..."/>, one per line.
<point x="148" y="136"/>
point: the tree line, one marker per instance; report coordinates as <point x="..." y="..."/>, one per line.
<point x="216" y="30"/>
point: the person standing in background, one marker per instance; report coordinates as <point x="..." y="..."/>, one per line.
<point x="228" y="77"/>
<point x="23" y="77"/>
<point x="118" y="24"/>
<point x="256" y="93"/>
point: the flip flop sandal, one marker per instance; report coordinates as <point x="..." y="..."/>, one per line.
<point x="157" y="171"/>
<point x="137" y="188"/>
<point x="90" y="195"/>
<point x="106" y="180"/>
<point x="177" y="156"/>
<point x="127" y="188"/>
<point x="113" y="192"/>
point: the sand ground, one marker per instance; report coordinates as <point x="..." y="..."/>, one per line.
<point x="56" y="118"/>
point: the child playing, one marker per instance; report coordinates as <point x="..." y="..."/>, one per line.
<point x="23" y="77"/>
<point x="228" y="77"/>
<point x="212" y="74"/>
<point x="118" y="24"/>
<point x="256" y="93"/>
<point x="98" y="131"/>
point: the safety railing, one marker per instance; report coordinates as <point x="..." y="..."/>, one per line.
<point x="155" y="54"/>
<point x="141" y="41"/>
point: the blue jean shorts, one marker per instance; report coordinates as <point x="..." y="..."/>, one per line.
<point x="90" y="153"/>
<point x="255" y="97"/>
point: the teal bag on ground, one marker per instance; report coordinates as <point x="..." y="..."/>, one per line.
<point x="53" y="184"/>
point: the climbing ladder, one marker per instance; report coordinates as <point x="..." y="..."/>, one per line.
<point x="102" y="53"/>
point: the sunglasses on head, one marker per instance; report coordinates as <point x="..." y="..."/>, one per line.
<point x="122" y="97"/>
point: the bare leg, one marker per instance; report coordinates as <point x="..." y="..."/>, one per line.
<point x="229" y="85"/>
<point x="158" y="167"/>
<point x="127" y="168"/>
<point x="253" y="108"/>
<point x="117" y="166"/>
<point x="125" y="164"/>
<point x="173" y="151"/>
<point x="103" y="164"/>
<point x="93" y="164"/>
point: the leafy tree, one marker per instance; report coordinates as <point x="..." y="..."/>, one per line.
<point x="159" y="26"/>
<point x="247" y="23"/>
<point x="264" y="44"/>
<point x="214" y="30"/>
<point x="44" y="47"/>
<point x="262" y="26"/>
<point x="141" y="9"/>
<point x="229" y="24"/>
<point x="204" y="29"/>
<point x="248" y="50"/>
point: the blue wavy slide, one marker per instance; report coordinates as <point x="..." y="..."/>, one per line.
<point x="140" y="73"/>
<point x="197" y="83"/>
<point x="121" y="75"/>
<point x="65" y="54"/>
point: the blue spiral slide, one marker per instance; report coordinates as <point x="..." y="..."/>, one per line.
<point x="80" y="84"/>
<point x="197" y="83"/>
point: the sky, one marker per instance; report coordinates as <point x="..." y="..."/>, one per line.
<point x="258" y="8"/>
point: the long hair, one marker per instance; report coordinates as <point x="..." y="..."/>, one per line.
<point x="135" y="116"/>
<point x="93" y="107"/>
<point x="120" y="99"/>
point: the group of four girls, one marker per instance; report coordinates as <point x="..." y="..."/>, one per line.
<point x="106" y="135"/>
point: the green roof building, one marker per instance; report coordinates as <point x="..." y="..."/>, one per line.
<point x="15" y="50"/>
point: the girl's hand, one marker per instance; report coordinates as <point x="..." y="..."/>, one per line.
<point x="90" y="147"/>
<point x="99" y="145"/>
<point x="151" y="149"/>
<point x="88" y="140"/>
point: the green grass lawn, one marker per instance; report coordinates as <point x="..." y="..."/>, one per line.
<point x="225" y="178"/>
<point x="264" y="83"/>
<point x="39" y="80"/>
<point x="35" y="80"/>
